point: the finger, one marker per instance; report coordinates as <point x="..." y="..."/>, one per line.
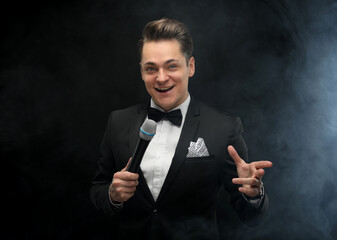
<point x="234" y="155"/>
<point x="263" y="164"/>
<point x="119" y="188"/>
<point x="125" y="196"/>
<point x="251" y="192"/>
<point x="124" y="169"/>
<point x="120" y="194"/>
<point x="124" y="184"/>
<point x="247" y="181"/>
<point x="259" y="173"/>
<point x="129" y="184"/>
<point x="126" y="176"/>
<point x="128" y="189"/>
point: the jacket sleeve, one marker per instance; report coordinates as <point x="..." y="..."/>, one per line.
<point x="104" y="174"/>
<point x="249" y="214"/>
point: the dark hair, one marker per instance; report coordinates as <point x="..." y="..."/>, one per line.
<point x="167" y="29"/>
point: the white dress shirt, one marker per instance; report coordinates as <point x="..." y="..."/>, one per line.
<point x="158" y="156"/>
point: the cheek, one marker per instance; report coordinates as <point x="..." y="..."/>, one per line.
<point x="149" y="85"/>
<point x="177" y="77"/>
<point x="181" y="80"/>
<point x="148" y="82"/>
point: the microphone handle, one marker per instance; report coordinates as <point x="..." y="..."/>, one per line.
<point x="138" y="155"/>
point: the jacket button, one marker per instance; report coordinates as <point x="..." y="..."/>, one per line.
<point x="155" y="210"/>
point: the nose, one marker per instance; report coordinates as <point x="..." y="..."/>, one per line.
<point x="162" y="76"/>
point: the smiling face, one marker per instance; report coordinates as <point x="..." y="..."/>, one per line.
<point x="165" y="72"/>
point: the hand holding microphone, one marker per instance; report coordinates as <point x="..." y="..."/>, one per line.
<point x="124" y="183"/>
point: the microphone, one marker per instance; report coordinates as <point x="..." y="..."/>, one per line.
<point x="146" y="133"/>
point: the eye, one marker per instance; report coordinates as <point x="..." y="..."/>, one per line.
<point x="150" y="69"/>
<point x="173" y="66"/>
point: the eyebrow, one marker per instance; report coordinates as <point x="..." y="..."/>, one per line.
<point x="167" y="62"/>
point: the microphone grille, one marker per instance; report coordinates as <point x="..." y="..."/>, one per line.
<point x="148" y="130"/>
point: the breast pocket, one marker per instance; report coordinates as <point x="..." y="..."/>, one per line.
<point x="198" y="176"/>
<point x="200" y="168"/>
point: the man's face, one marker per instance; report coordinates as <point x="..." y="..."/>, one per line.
<point x="165" y="72"/>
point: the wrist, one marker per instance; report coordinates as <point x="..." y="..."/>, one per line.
<point x="111" y="197"/>
<point x="258" y="196"/>
<point x="117" y="204"/>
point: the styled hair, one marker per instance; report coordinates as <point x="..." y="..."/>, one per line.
<point x="168" y="29"/>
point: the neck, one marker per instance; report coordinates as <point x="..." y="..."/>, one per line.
<point x="171" y="108"/>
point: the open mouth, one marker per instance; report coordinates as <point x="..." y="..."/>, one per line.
<point x="164" y="90"/>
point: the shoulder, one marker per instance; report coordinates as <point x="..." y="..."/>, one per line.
<point x="216" y="120"/>
<point x="127" y="112"/>
<point x="213" y="114"/>
<point x="222" y="127"/>
<point x="123" y="117"/>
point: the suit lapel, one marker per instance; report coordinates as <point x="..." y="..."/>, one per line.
<point x="188" y="133"/>
<point x="135" y="123"/>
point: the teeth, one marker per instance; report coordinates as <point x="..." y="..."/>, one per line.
<point x="163" y="89"/>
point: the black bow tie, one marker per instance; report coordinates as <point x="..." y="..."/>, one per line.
<point x="174" y="117"/>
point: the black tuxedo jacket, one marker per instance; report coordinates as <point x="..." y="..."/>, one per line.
<point x="186" y="205"/>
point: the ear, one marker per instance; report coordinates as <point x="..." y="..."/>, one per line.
<point x="191" y="67"/>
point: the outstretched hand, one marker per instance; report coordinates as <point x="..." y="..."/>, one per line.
<point x="250" y="174"/>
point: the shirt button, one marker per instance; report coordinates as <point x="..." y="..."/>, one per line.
<point x="155" y="210"/>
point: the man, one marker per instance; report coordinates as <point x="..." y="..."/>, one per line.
<point x="174" y="194"/>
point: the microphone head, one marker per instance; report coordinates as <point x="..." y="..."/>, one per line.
<point x="148" y="130"/>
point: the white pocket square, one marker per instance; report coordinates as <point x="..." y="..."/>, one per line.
<point x="197" y="149"/>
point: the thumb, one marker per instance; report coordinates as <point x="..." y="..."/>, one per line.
<point x="124" y="169"/>
<point x="234" y="155"/>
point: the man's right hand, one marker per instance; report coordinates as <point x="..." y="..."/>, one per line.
<point x="123" y="185"/>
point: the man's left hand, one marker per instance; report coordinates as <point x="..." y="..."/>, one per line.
<point x="250" y="174"/>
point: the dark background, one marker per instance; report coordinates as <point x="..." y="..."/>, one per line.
<point x="66" y="64"/>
